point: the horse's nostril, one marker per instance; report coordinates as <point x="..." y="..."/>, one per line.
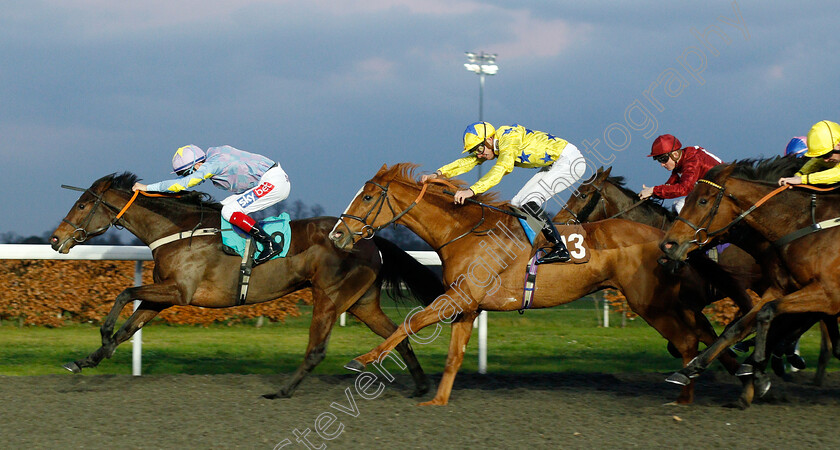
<point x="54" y="239"/>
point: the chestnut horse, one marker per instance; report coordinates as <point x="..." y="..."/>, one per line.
<point x="485" y="254"/>
<point x="803" y="242"/>
<point x="193" y="270"/>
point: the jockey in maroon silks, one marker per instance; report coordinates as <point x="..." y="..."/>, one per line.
<point x="687" y="165"/>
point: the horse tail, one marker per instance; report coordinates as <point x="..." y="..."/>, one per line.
<point x="400" y="270"/>
<point x="722" y="281"/>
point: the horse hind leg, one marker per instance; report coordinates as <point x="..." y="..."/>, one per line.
<point x="368" y="310"/>
<point x="324" y="315"/>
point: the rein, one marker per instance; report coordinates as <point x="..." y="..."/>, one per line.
<point x="699" y="231"/>
<point x="590" y="206"/>
<point x="368" y="231"/>
<point x="81" y="234"/>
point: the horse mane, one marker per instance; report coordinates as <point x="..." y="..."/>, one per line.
<point x="767" y="170"/>
<point x="649" y="206"/>
<point x="407" y="173"/>
<point x="124" y="181"/>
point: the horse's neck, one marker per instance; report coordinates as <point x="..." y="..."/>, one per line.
<point x="148" y="221"/>
<point x="439" y="224"/>
<point x="786" y="214"/>
<point x="621" y="201"/>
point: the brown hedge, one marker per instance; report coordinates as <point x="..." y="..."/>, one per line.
<point x="55" y="293"/>
<point x="721" y="311"/>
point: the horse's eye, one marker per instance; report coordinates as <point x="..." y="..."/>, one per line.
<point x="367" y="198"/>
<point x="703" y="201"/>
<point x="81" y="206"/>
<point x="583" y="196"/>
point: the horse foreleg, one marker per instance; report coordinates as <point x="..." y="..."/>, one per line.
<point x="107" y="328"/>
<point x="155" y="297"/>
<point x="140" y="317"/>
<point x="811" y="298"/>
<point x="827" y="346"/>
<point x="460" y="337"/>
<point x="369" y="312"/>
<point x="416" y="321"/>
<point x="736" y="332"/>
<point x="323" y="320"/>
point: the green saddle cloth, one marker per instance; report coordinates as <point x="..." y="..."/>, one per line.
<point x="277" y="227"/>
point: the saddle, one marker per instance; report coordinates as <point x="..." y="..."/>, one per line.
<point x="235" y="242"/>
<point x="574" y="236"/>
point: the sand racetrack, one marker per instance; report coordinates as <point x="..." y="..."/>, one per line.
<point x="569" y="410"/>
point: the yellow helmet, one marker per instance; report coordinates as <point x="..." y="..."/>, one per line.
<point x="822" y="138"/>
<point x="476" y="134"/>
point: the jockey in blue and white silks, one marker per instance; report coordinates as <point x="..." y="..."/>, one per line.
<point x="257" y="183"/>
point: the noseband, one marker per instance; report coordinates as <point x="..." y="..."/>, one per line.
<point x="368" y="231"/>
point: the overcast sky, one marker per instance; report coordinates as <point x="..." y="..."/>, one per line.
<point x="333" y="89"/>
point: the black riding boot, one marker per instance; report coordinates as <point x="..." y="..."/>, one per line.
<point x="558" y="253"/>
<point x="270" y="248"/>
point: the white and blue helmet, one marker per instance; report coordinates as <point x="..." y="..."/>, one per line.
<point x="185" y="159"/>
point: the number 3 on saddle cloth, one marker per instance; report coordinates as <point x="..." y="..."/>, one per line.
<point x="574" y="236"/>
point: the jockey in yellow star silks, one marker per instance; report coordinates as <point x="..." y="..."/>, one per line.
<point x="561" y="165"/>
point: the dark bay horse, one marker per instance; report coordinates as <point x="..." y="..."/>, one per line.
<point x="195" y="271"/>
<point x="745" y="193"/>
<point x="485" y="254"/>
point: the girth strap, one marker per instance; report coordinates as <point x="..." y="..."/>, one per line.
<point x="183" y="235"/>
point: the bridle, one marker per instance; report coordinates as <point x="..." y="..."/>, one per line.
<point x="80" y="233"/>
<point x="702" y="235"/>
<point x="590" y="206"/>
<point x="368" y="231"/>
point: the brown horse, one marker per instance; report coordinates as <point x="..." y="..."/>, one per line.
<point x="605" y="197"/>
<point x="485" y="254"/>
<point x="745" y="193"/>
<point x="193" y="270"/>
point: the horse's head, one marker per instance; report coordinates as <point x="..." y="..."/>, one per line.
<point x="92" y="214"/>
<point x="708" y="213"/>
<point x="378" y="204"/>
<point x="583" y="205"/>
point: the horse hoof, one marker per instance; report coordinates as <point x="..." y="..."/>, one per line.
<point x="762" y="385"/>
<point x="678" y="378"/>
<point x="796" y="361"/>
<point x="741" y="347"/>
<point x="745" y="370"/>
<point x="355" y="366"/>
<point x="72" y="367"/>
<point x="270" y="396"/>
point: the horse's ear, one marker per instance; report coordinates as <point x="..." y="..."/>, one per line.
<point x="383" y="168"/>
<point x="726" y="172"/>
<point x="606" y="173"/>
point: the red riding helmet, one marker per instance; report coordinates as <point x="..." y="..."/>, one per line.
<point x="664" y="144"/>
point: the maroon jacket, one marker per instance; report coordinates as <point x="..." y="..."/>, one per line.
<point x="695" y="162"/>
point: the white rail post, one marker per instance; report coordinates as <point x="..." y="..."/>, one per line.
<point x="137" y="339"/>
<point x="482" y="342"/>
<point x="606" y="313"/>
